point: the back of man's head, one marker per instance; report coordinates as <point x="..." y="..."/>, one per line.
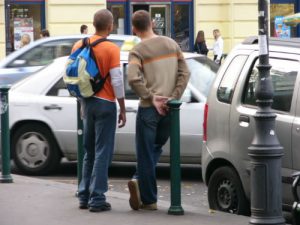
<point x="103" y="18"/>
<point x="141" y="20"/>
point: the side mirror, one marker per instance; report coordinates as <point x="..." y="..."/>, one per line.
<point x="18" y="63"/>
<point x="63" y="93"/>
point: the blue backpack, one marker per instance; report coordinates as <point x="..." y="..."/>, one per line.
<point x="82" y="75"/>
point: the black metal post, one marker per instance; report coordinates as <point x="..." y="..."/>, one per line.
<point x="175" y="208"/>
<point x="265" y="151"/>
<point x="5" y="140"/>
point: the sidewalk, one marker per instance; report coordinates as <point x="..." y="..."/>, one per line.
<point x="30" y="201"/>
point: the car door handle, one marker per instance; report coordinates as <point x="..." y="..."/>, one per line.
<point x="52" y="107"/>
<point x="131" y="110"/>
<point x="244" y="121"/>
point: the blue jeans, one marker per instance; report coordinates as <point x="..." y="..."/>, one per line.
<point x="152" y="132"/>
<point x="99" y="124"/>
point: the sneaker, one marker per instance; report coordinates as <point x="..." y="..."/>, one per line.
<point x="105" y="207"/>
<point x="135" y="198"/>
<point x="152" y="206"/>
<point x="83" y="205"/>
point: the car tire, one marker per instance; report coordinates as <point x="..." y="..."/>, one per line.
<point x="225" y="192"/>
<point x="34" y="150"/>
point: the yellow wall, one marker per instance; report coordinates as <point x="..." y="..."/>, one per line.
<point x="2" y="30"/>
<point x="66" y="17"/>
<point x="236" y="20"/>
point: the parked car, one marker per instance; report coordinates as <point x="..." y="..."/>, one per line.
<point x="227" y="135"/>
<point x="37" y="54"/>
<point x="43" y="120"/>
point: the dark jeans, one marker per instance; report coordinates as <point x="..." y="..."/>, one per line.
<point x="152" y="132"/>
<point x="98" y="140"/>
<point x="215" y="57"/>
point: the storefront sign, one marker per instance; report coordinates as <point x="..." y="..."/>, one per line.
<point x="281" y="29"/>
<point x="23" y="32"/>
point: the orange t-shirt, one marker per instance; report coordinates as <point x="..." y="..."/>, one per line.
<point x="107" y="55"/>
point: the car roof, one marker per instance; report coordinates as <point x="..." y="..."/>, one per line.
<point x="275" y="44"/>
<point x="38" y="42"/>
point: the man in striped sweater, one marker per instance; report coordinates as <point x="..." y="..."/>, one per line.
<point x="157" y="72"/>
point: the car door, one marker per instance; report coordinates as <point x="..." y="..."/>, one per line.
<point x="242" y="123"/>
<point x="60" y="112"/>
<point x="125" y="136"/>
<point x="296" y="131"/>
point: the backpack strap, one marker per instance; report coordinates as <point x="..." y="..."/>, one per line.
<point x="98" y="42"/>
<point x="93" y="55"/>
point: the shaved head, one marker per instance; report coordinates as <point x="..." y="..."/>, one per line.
<point x="102" y="20"/>
<point x="141" y="20"/>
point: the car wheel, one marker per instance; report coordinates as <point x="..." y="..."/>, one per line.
<point x="34" y="150"/>
<point x="225" y="192"/>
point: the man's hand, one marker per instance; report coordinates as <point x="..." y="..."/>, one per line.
<point x="122" y="119"/>
<point x="160" y="103"/>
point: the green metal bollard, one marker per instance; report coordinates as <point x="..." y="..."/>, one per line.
<point x="175" y="208"/>
<point x="5" y="140"/>
<point x="79" y="142"/>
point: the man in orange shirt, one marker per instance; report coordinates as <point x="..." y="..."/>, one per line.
<point x="99" y="118"/>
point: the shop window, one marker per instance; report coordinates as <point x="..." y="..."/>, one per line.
<point x="277" y="28"/>
<point x="181" y="26"/>
<point x="118" y="11"/>
<point x="25" y="20"/>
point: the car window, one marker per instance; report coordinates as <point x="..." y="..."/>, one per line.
<point x="59" y="89"/>
<point x="202" y="73"/>
<point x="284" y="74"/>
<point x="227" y="85"/>
<point x="129" y="93"/>
<point x="44" y="54"/>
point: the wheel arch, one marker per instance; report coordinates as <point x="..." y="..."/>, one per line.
<point x="30" y="122"/>
<point x="215" y="164"/>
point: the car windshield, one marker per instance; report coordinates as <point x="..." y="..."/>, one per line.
<point x="203" y="72"/>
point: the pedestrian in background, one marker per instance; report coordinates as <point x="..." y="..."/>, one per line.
<point x="218" y="46"/>
<point x="44" y="33"/>
<point x="200" y="44"/>
<point x="99" y="118"/>
<point x="155" y="84"/>
<point x="83" y="29"/>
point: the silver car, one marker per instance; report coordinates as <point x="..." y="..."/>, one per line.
<point x="43" y="119"/>
<point x="40" y="53"/>
<point x="229" y="123"/>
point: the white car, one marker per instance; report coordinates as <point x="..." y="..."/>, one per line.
<point x="43" y="117"/>
<point x="40" y="53"/>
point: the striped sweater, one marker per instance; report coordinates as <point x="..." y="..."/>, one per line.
<point x="157" y="67"/>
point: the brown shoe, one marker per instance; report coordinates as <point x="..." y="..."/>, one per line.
<point x="135" y="199"/>
<point x="152" y="206"/>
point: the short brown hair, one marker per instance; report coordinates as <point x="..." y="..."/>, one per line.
<point x="45" y="33"/>
<point x="103" y="18"/>
<point x="141" y="20"/>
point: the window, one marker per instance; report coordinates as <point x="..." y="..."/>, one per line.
<point x="118" y="11"/>
<point x="284" y="74"/>
<point x="182" y="26"/>
<point x="60" y="85"/>
<point x="44" y="54"/>
<point x="281" y="10"/>
<point x="226" y="88"/>
<point x="129" y="93"/>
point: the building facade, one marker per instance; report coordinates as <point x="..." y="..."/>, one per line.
<point x="179" y="19"/>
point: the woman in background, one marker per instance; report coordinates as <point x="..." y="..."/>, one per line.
<point x="200" y="45"/>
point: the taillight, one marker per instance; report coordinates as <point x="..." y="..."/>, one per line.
<point x="205" y="122"/>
